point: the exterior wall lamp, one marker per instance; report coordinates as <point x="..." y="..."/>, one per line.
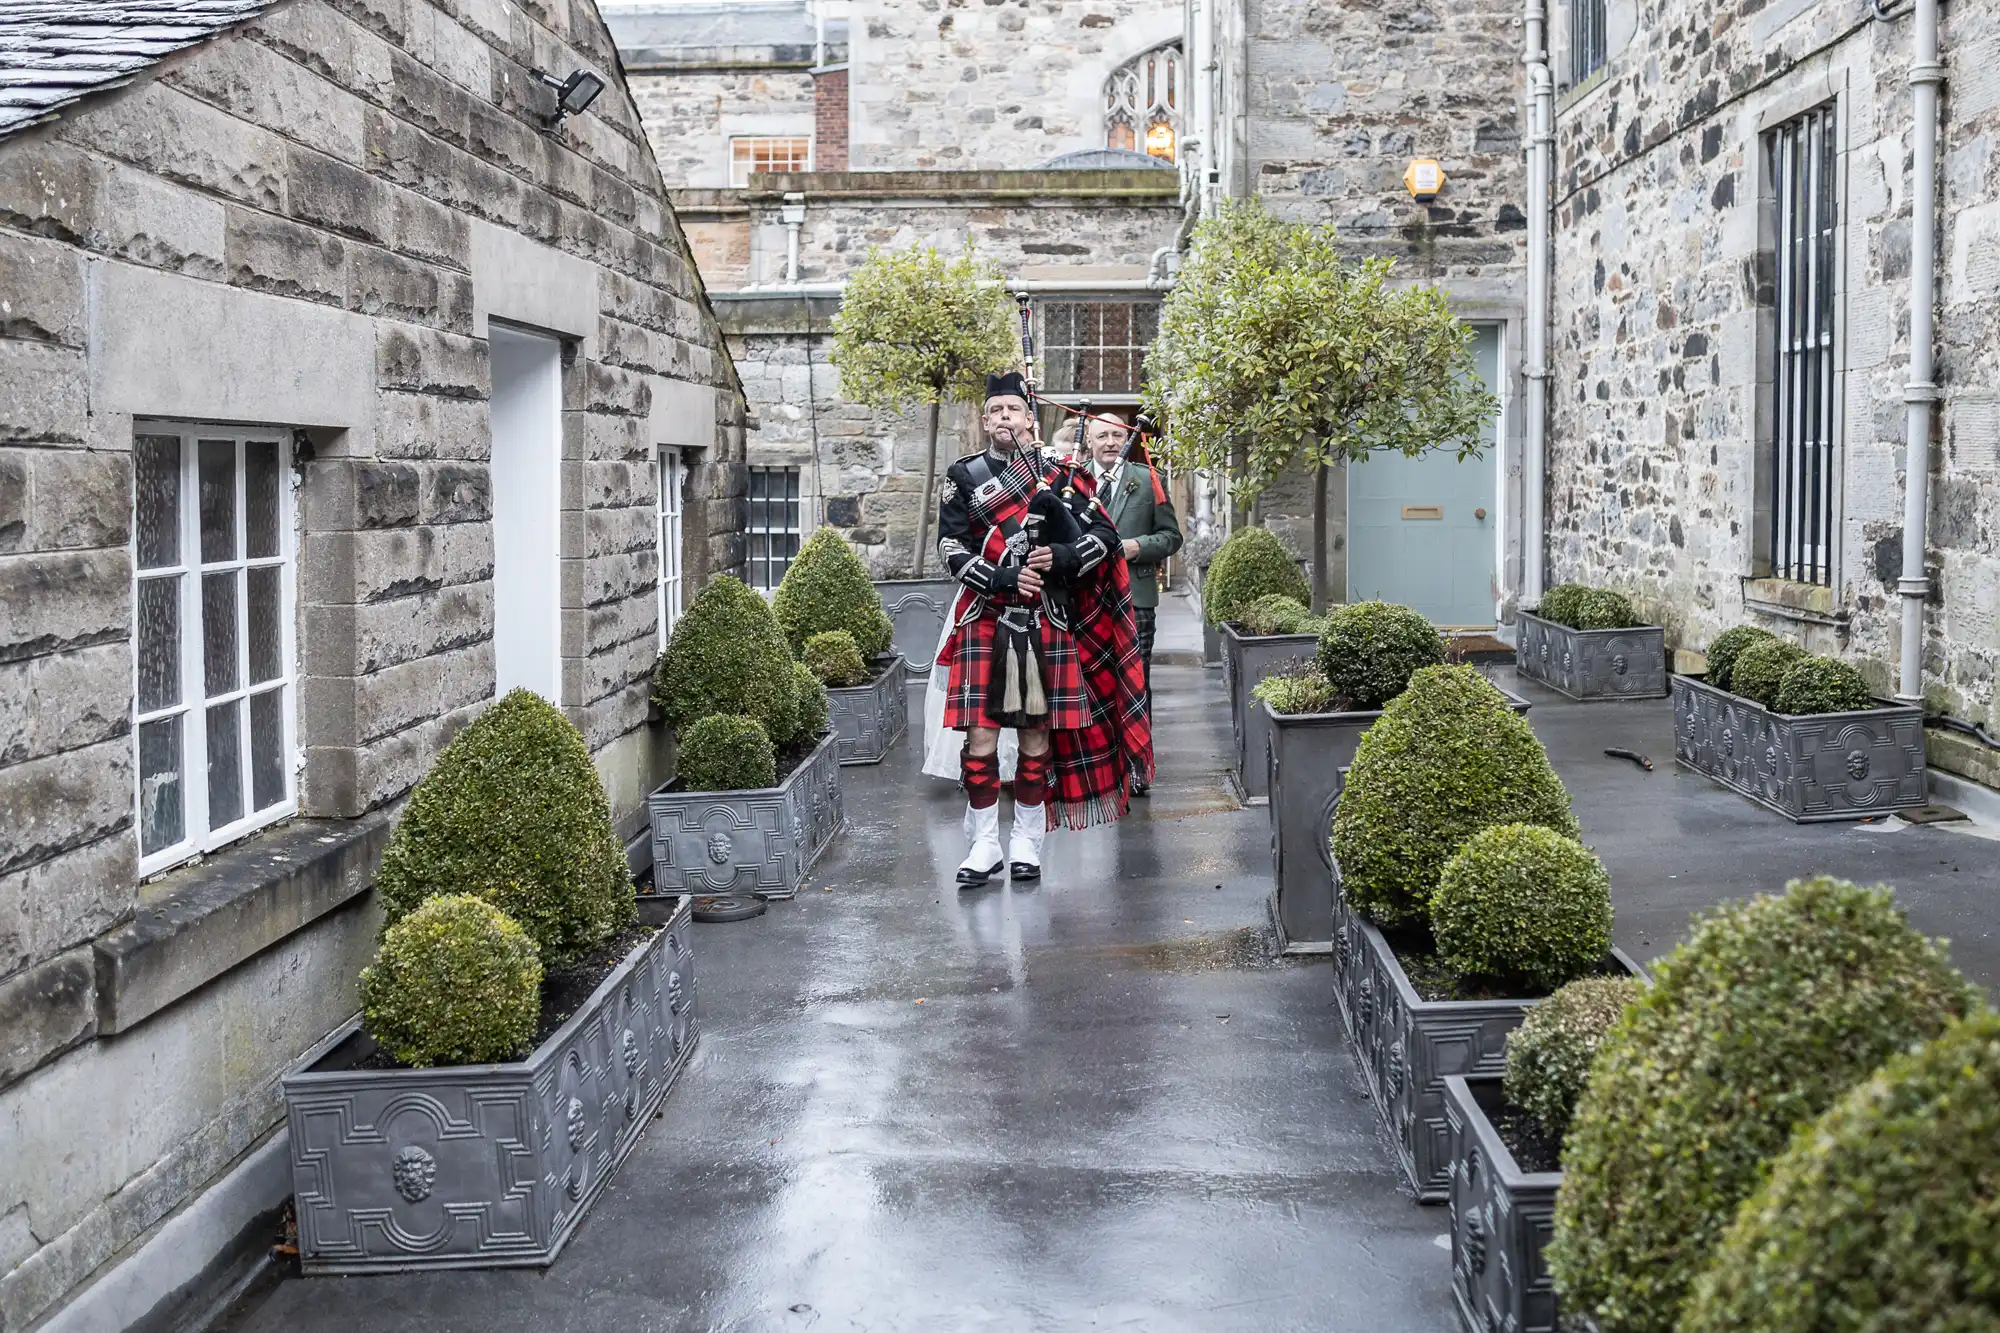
<point x="573" y="94"/>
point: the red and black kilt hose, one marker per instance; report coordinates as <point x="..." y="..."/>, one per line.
<point x="972" y="655"/>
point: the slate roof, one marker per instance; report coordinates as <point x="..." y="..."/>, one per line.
<point x="55" y="52"/>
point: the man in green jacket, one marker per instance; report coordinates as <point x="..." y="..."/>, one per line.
<point x="1136" y="498"/>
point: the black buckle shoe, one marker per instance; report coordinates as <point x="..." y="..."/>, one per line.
<point x="1022" y="870"/>
<point x="968" y="878"/>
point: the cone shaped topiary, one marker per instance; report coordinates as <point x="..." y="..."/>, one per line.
<point x="728" y="655"/>
<point x="727" y="752"/>
<point x="827" y="588"/>
<point x="1758" y="1023"/>
<point x="1760" y="669"/>
<point x="1369" y="650"/>
<point x="513" y="812"/>
<point x="1447" y="758"/>
<point x="1728" y="646"/>
<point x="1273" y="613"/>
<point x="835" y="659"/>
<point x="1549" y="1055"/>
<point x="1522" y="901"/>
<point x="1822" y="685"/>
<point x="456" y="982"/>
<point x="1251" y="564"/>
<point x="1883" y="1214"/>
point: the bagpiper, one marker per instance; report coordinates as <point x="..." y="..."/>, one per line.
<point x="1043" y="641"/>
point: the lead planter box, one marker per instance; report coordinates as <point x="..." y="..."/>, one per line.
<point x="1591" y="664"/>
<point x="1307" y="755"/>
<point x="868" y="719"/>
<point x="1246" y="660"/>
<point x="917" y="609"/>
<point x="486" y="1166"/>
<point x="1501" y="1220"/>
<point x="1809" y="768"/>
<point x="1409" y="1045"/>
<point x="762" y="842"/>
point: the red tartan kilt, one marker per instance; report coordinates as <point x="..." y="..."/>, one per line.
<point x="972" y="650"/>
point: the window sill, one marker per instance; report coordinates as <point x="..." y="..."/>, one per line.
<point x="1808" y="603"/>
<point x="204" y="920"/>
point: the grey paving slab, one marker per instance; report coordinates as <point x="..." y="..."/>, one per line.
<point x="1095" y="1103"/>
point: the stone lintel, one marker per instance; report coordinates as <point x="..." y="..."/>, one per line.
<point x="230" y="907"/>
<point x="1163" y="187"/>
<point x="744" y="313"/>
<point x="726" y="59"/>
<point x="1791" y="600"/>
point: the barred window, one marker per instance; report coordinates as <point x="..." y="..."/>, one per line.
<point x="1097" y="347"/>
<point x="213" y="597"/>
<point x="773" y="534"/>
<point x="1803" y="168"/>
<point x="1586" y="39"/>
<point x="748" y="155"/>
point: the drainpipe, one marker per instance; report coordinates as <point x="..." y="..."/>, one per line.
<point x="793" y="215"/>
<point x="1926" y="74"/>
<point x="1541" y="149"/>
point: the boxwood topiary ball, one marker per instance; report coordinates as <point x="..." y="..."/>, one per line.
<point x="1823" y="685"/>
<point x="1602" y="608"/>
<point x="1519" y="900"/>
<point x="727" y="752"/>
<point x="1273" y="613"/>
<point x="1446" y="758"/>
<point x="835" y="659"/>
<point x="1760" y="669"/>
<point x="1549" y="1055"/>
<point x="1728" y="646"/>
<point x="1369" y="650"/>
<point x="1888" y="1204"/>
<point x="456" y="982"/>
<point x="513" y="812"/>
<point x="1758" y="1023"/>
<point x="1251" y="564"/>
<point x="827" y="588"/>
<point x="727" y="655"/>
<point x="1560" y="603"/>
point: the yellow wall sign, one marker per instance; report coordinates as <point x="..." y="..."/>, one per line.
<point x="1424" y="180"/>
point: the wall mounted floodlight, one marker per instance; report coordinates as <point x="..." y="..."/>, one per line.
<point x="573" y="94"/>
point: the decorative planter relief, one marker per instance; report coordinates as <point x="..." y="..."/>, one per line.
<point x="1409" y="1045"/>
<point x="1246" y="660"/>
<point x="762" y="842"/>
<point x="486" y="1166"/>
<point x="917" y="608"/>
<point x="1501" y="1220"/>
<point x="1810" y="768"/>
<point x="1307" y="755"/>
<point x="868" y="719"/>
<point x="1593" y="663"/>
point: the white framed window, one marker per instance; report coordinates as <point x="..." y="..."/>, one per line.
<point x="1142" y="104"/>
<point x="672" y="473"/>
<point x="749" y="153"/>
<point x="1096" y="346"/>
<point x="774" y="530"/>
<point x="213" y="643"/>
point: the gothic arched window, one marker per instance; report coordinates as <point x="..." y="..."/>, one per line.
<point x="1142" y="104"/>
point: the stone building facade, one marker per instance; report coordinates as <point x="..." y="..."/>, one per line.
<point x="957" y="124"/>
<point x="307" y="301"/>
<point x="1682" y="465"/>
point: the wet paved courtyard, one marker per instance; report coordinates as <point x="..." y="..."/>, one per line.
<point x="1092" y="1103"/>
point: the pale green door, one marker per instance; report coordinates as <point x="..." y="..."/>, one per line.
<point x="1422" y="531"/>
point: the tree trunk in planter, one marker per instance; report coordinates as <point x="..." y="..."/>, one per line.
<point x="930" y="487"/>
<point x="1320" y="591"/>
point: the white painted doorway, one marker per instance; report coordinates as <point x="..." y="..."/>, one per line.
<point x="527" y="512"/>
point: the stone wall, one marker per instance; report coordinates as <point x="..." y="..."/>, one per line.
<point x="1341" y="96"/>
<point x="691" y="115"/>
<point x="308" y="223"/>
<point x="1662" y="294"/>
<point x="1001" y="85"/>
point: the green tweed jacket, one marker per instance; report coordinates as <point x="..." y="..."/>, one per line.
<point x="1149" y="521"/>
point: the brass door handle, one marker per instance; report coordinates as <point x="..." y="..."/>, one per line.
<point x="1479" y="513"/>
